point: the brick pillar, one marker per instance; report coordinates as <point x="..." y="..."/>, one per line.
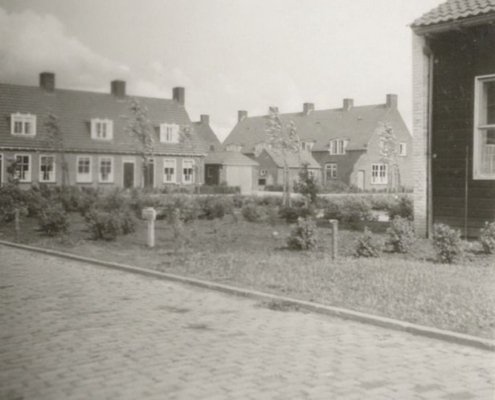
<point x="420" y="134"/>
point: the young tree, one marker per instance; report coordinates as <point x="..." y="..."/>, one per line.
<point x="140" y="127"/>
<point x="284" y="140"/>
<point x="55" y="139"/>
<point x="307" y="185"/>
<point x="389" y="152"/>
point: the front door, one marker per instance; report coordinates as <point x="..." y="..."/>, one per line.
<point x="128" y="175"/>
<point x="212" y="174"/>
<point x="360" y="179"/>
<point x="149" y="174"/>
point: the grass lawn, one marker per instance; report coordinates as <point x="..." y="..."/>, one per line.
<point x="458" y="297"/>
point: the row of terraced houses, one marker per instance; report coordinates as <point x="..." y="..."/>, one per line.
<point x="450" y="164"/>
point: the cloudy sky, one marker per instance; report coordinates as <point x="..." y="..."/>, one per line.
<point x="228" y="54"/>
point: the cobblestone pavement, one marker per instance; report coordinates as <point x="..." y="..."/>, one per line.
<point x="71" y="330"/>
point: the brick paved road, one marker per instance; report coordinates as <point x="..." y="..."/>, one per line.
<point x="70" y="330"/>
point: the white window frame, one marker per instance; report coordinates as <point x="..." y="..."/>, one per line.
<point x="402" y="149"/>
<point x="112" y="169"/>
<point x="338" y="146"/>
<point x="376" y="175"/>
<point x="332" y="169"/>
<point x="174" y="176"/>
<point x="53" y="177"/>
<point x="184" y="162"/>
<point x="96" y="134"/>
<point x="30" y="167"/>
<point x="479" y="127"/>
<point x="86" y="177"/>
<point x="169" y="133"/>
<point x="25" y="120"/>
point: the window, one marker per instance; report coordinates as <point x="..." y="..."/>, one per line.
<point x="169" y="133"/>
<point x="101" y="129"/>
<point x="484" y="128"/>
<point x="403" y="149"/>
<point x="106" y="170"/>
<point x="47" y="169"/>
<point x="234" y="147"/>
<point x="331" y="171"/>
<point x="379" y="174"/>
<point x="23" y="167"/>
<point x="263" y="172"/>
<point x="338" y="146"/>
<point x="23" y="124"/>
<point x="169" y="171"/>
<point x="83" y="174"/>
<point x="187" y="171"/>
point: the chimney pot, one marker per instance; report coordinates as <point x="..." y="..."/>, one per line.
<point x="117" y="88"/>
<point x="205" y="119"/>
<point x="308" y="108"/>
<point x="47" y="81"/>
<point x="179" y="95"/>
<point x="241" y="115"/>
<point x="392" y="101"/>
<point x="348" y="104"/>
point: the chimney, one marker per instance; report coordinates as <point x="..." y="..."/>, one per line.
<point x="392" y="100"/>
<point x="179" y="95"/>
<point x="273" y="109"/>
<point x="241" y="115"/>
<point x="47" y="81"/>
<point x="348" y="104"/>
<point x="118" y="88"/>
<point x="308" y="108"/>
<point x="205" y="119"/>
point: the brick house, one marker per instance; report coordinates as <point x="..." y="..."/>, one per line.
<point x="344" y="141"/>
<point x="454" y="116"/>
<point x="206" y="134"/>
<point x="98" y="150"/>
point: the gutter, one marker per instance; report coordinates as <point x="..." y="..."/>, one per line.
<point x="440" y="27"/>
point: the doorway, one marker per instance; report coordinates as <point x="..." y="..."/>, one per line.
<point x="149" y="174"/>
<point x="128" y="174"/>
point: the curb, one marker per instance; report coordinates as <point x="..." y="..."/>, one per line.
<point x="389" y="323"/>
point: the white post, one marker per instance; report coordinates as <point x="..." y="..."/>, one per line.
<point x="149" y="214"/>
<point x="335" y="234"/>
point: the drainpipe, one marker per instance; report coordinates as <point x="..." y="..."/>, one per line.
<point x="429" y="156"/>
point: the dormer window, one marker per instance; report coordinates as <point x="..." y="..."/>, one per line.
<point x="338" y="146"/>
<point x="169" y="133"/>
<point x="101" y="129"/>
<point x="23" y="124"/>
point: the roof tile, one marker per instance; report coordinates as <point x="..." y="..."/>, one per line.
<point x="453" y="10"/>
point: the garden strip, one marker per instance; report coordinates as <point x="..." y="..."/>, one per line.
<point x="388" y="323"/>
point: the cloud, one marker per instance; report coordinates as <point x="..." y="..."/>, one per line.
<point x="31" y="43"/>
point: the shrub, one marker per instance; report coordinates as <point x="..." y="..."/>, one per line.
<point x="367" y="245"/>
<point x="274" y="188"/>
<point x="11" y="198"/>
<point x="304" y="235"/>
<point x="219" y="189"/>
<point x="336" y="186"/>
<point x="128" y="221"/>
<point x="400" y="235"/>
<point x="253" y="212"/>
<point x="307" y="185"/>
<point x="402" y="208"/>
<point x="215" y="206"/>
<point x="292" y="213"/>
<point x="447" y="243"/>
<point x="52" y="219"/>
<point x="188" y="206"/>
<point x="103" y="224"/>
<point x="487" y="237"/>
<point x="349" y="209"/>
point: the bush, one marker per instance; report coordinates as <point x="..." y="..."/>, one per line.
<point x="253" y="212"/>
<point x="487" y="237"/>
<point x="11" y="198"/>
<point x="447" y="243"/>
<point x="307" y="185"/>
<point x="103" y="224"/>
<point x="336" y="186"/>
<point x="52" y="220"/>
<point x="367" y="245"/>
<point x="215" y="206"/>
<point x="402" y="208"/>
<point x="274" y="188"/>
<point x="128" y="221"/>
<point x="292" y="213"/>
<point x="219" y="189"/>
<point x="400" y="235"/>
<point x="349" y="209"/>
<point x="304" y="235"/>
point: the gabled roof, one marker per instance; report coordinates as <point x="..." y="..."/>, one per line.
<point x="75" y="109"/>
<point x="455" y="10"/>
<point x="357" y="125"/>
<point x="207" y="135"/>
<point x="229" y="158"/>
<point x="294" y="160"/>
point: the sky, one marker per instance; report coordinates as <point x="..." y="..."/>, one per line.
<point x="229" y="55"/>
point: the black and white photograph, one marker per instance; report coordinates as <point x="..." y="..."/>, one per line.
<point x="247" y="199"/>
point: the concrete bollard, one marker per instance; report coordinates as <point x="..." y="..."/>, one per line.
<point x="17" y="224"/>
<point x="149" y="214"/>
<point x="335" y="233"/>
